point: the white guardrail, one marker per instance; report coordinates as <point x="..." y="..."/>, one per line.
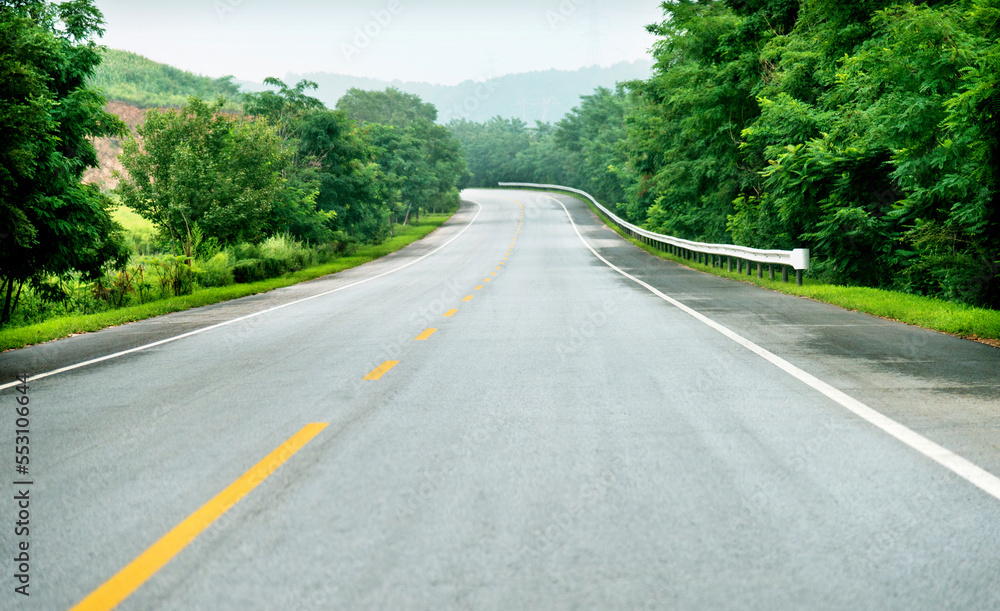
<point x="701" y="252"/>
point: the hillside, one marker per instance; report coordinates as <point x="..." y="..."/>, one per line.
<point x="133" y="79"/>
<point x="530" y="96"/>
<point x="108" y="149"/>
<point x="133" y="83"/>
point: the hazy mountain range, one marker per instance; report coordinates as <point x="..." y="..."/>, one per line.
<point x="531" y="96"/>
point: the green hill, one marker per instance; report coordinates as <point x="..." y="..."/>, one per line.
<point x="132" y="78"/>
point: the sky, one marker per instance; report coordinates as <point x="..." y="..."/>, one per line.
<point x="436" y="41"/>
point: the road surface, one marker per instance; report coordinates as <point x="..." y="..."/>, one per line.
<point x="565" y="437"/>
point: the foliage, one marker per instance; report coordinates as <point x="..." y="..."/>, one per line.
<point x="51" y="223"/>
<point x="132" y="78"/>
<point x="296" y="209"/>
<point x="881" y="147"/>
<point x="421" y="161"/>
<point x="92" y="314"/>
<point x="492" y="150"/>
<point x="585" y="149"/>
<point x="198" y="170"/>
<point x="867" y="132"/>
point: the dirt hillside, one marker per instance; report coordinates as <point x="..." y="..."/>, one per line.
<point x="108" y="149"/>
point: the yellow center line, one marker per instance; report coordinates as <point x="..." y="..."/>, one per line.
<point x="425" y="334"/>
<point x="381" y="370"/>
<point x="468" y="298"/>
<point x="487" y="279"/>
<point x="479" y="288"/>
<point x="130" y="578"/>
<point x="451" y="312"/>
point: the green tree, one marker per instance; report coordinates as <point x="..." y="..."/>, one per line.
<point x="424" y="160"/>
<point x="492" y="150"/>
<point x="389" y="107"/>
<point x="351" y="182"/>
<point x="200" y="167"/>
<point x="594" y="133"/>
<point x="50" y="223"/>
<point x="878" y="128"/>
<point x="296" y="210"/>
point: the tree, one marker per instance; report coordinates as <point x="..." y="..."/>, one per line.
<point x="594" y="133"/>
<point x="351" y="184"/>
<point x="492" y="150"/>
<point x="297" y="209"/>
<point x="424" y="159"/>
<point x="285" y="107"/>
<point x="51" y="223"/>
<point x="200" y="167"/>
<point x="389" y="107"/>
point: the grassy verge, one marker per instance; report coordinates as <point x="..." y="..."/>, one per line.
<point x="68" y="325"/>
<point x="948" y="317"/>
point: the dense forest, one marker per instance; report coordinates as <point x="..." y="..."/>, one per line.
<point x="239" y="187"/>
<point x="865" y="131"/>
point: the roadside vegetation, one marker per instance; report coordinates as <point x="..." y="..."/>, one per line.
<point x="963" y="320"/>
<point x="866" y="132"/>
<point x="216" y="199"/>
<point x="83" y="313"/>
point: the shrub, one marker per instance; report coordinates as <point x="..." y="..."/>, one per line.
<point x="216" y="271"/>
<point x="248" y="270"/>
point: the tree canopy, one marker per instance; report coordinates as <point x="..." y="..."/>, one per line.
<point x="199" y="169"/>
<point x="50" y="223"/>
<point x="865" y="131"/>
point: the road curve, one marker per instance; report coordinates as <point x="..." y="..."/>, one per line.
<point x="507" y="422"/>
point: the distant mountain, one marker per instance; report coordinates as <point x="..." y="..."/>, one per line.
<point x="532" y="96"/>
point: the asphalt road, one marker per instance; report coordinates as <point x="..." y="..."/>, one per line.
<point x="566" y="438"/>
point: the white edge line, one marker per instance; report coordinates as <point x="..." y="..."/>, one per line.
<point x="965" y="469"/>
<point x="241" y="318"/>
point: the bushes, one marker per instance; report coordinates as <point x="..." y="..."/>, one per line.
<point x="217" y="271"/>
<point x="154" y="277"/>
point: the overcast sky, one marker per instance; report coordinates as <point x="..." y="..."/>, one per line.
<point x="438" y="41"/>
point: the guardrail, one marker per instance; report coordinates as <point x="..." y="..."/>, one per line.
<point x="701" y="252"/>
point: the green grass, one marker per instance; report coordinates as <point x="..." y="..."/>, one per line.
<point x="927" y="312"/>
<point x="132" y="222"/>
<point x="69" y="325"/>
